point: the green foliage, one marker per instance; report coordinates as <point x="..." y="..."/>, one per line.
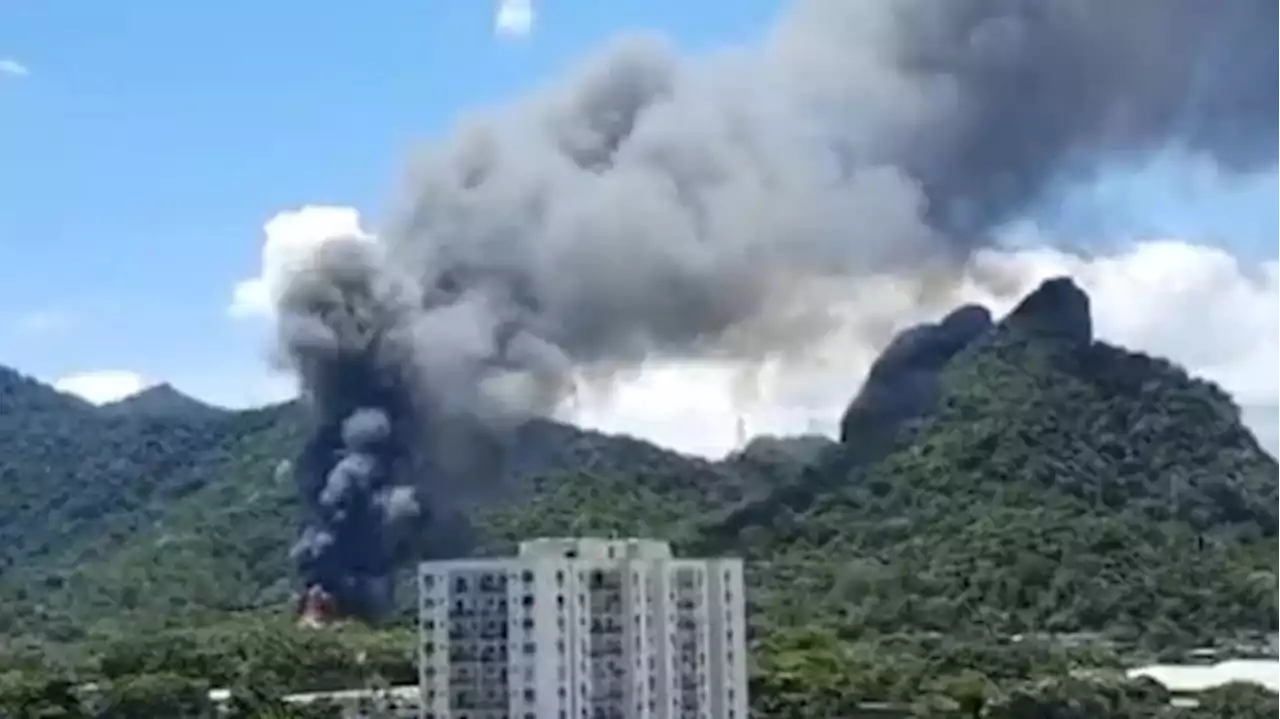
<point x="1236" y="701"/>
<point x="170" y="673"/>
<point x="1056" y="489"/>
<point x="169" y="694"/>
<point x="26" y="695"/>
<point x="212" y="534"/>
<point x="1062" y="503"/>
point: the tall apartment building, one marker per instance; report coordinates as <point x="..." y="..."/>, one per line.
<point x="583" y="629"/>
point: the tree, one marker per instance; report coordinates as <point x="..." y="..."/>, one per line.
<point x="157" y="695"/>
<point x="1237" y="700"/>
<point x="46" y="696"/>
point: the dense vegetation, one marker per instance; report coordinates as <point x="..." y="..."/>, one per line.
<point x="1057" y="489"/>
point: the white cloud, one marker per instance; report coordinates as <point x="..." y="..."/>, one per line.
<point x="514" y="18"/>
<point x="697" y="407"/>
<point x="13" y="68"/>
<point x="289" y="238"/>
<point x="1194" y="304"/>
<point x="237" y="385"/>
<point x="102" y="386"/>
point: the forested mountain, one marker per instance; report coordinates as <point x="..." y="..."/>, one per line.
<point x="157" y="509"/>
<point x="159" y="401"/>
<point x="993" y="477"/>
<point x="1054" y="484"/>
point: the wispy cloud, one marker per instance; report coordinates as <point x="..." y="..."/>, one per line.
<point x="13" y="68"/>
<point x="514" y="18"/>
<point x="102" y="386"/>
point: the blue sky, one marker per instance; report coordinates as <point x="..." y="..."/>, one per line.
<point x="148" y="141"/>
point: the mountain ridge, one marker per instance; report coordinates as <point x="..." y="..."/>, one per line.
<point x="1030" y="429"/>
<point x="158" y="401"/>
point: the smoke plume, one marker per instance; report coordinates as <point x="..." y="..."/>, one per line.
<point x="659" y="206"/>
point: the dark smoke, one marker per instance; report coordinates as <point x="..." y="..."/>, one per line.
<point x="903" y="381"/>
<point x="655" y="205"/>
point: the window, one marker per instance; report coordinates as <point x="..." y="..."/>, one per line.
<point x="527" y="600"/>
<point x="526" y="576"/>
<point x="460" y="584"/>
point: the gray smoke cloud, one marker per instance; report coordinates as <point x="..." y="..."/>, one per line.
<point x="657" y="205"/>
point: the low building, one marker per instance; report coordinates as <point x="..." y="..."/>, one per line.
<point x="1191" y="679"/>
<point x="583" y="629"/>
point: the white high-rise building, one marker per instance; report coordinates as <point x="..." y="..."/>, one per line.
<point x="583" y="629"/>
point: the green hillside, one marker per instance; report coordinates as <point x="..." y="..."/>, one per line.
<point x="1061" y="485"/>
<point x="193" y="515"/>
<point x="1057" y="485"/>
<point x="1040" y="509"/>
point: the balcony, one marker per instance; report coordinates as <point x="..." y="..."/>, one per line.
<point x="604" y="580"/>
<point x="606" y="626"/>
<point x="493" y="583"/>
<point x="463" y="654"/>
<point x="604" y="649"/>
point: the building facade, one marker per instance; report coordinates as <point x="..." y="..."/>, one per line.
<point x="583" y="629"/>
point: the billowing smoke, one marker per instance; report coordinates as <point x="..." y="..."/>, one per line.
<point x="654" y="205"/>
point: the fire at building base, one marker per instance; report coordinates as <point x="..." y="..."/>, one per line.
<point x="315" y="608"/>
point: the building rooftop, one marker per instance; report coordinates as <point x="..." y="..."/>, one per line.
<point x="595" y="548"/>
<point x="1197" y="678"/>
